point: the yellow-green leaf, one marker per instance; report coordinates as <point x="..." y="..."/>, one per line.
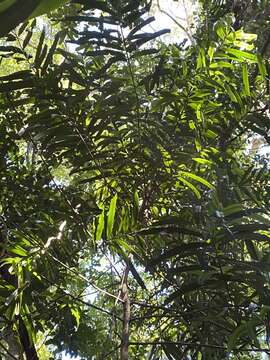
<point x="261" y="66"/>
<point x="197" y="178"/>
<point x="46" y="6"/>
<point x="245" y="79"/>
<point x="202" y="161"/>
<point x="100" y="226"/>
<point x="111" y="215"/>
<point x="242" y="55"/>
<point x="191" y="186"/>
<point x="75" y="312"/>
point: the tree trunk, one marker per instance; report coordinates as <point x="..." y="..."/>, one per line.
<point x="126" y="317"/>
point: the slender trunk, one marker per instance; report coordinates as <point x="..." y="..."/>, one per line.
<point x="28" y="347"/>
<point x="126" y="317"/>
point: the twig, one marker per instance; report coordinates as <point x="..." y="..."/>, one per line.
<point x="78" y="299"/>
<point x="111" y="352"/>
<point x="176" y="22"/>
<point x="83" y="278"/>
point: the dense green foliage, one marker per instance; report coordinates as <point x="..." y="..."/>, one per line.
<point x="129" y="163"/>
<point x="14" y="12"/>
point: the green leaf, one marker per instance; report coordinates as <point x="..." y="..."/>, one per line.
<point x="244" y="329"/>
<point x="13" y="49"/>
<point x="136" y="275"/>
<point x="191" y="186"/>
<point x="18" y="250"/>
<point x="141" y="24"/>
<point x="23" y="74"/>
<point x="201" y="62"/>
<point x="233" y="208"/>
<point x="27" y="38"/>
<point x="111" y="215"/>
<point x="5" y="4"/>
<point x="211" y="134"/>
<point x="76" y="314"/>
<point x="248" y="37"/>
<point x="51" y="52"/>
<point x="136" y="205"/>
<point x="46" y="6"/>
<point x="242" y="55"/>
<point x="220" y="29"/>
<point x="245" y="79"/>
<point x="197" y="178"/>
<point x="202" y="161"/>
<point x="169" y="228"/>
<point x="231" y="93"/>
<point x="180" y="251"/>
<point x="39" y="48"/>
<point x="124" y="245"/>
<point x="100" y="226"/>
<point x="261" y="65"/>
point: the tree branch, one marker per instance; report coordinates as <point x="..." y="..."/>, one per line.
<point x="176" y="22"/>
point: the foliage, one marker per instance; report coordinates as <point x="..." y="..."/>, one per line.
<point x="121" y="153"/>
<point x="14" y="12"/>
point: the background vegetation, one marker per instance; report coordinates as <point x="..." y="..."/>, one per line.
<point x="134" y="204"/>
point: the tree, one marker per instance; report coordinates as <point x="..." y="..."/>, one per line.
<point x="121" y="153"/>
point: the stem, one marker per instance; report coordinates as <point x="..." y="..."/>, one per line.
<point x="28" y="347"/>
<point x="126" y="316"/>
